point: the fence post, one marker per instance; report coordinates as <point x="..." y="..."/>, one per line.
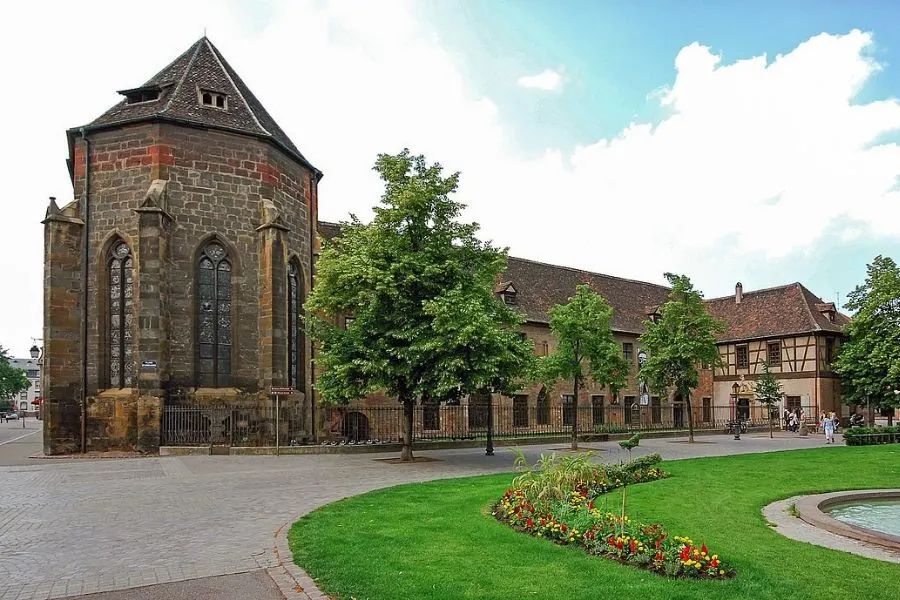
<point x="489" y="450"/>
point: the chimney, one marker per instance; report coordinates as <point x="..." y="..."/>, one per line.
<point x="738" y="292"/>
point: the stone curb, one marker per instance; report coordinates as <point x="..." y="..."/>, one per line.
<point x="292" y="581"/>
<point x="795" y="528"/>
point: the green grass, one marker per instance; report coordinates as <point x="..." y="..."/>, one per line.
<point x="438" y="540"/>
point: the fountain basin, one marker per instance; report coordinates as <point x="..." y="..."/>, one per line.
<point x="856" y="509"/>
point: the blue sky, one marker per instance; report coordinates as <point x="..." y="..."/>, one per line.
<point x="628" y="138"/>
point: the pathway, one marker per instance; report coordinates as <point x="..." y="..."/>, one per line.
<point x="70" y="527"/>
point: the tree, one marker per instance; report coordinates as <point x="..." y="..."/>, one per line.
<point x="12" y="380"/>
<point x="769" y="392"/>
<point x="419" y="284"/>
<point x="869" y="359"/>
<point x="683" y="337"/>
<point x="585" y="346"/>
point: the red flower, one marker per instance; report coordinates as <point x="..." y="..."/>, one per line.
<point x="563" y="528"/>
<point x="714" y="563"/>
<point x="632" y="546"/>
<point x="658" y="544"/>
<point x="704" y="549"/>
<point x="620" y="545"/>
<point x="685" y="553"/>
<point x="529" y="523"/>
<point x="659" y="556"/>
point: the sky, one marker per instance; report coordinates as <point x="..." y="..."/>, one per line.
<point x="730" y="141"/>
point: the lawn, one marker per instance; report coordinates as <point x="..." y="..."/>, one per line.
<point x="438" y="540"/>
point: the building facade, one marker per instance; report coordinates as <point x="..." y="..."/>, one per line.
<point x="791" y="329"/>
<point x="178" y="272"/>
<point x="28" y="402"/>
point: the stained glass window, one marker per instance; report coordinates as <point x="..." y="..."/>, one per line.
<point x="294" y="338"/>
<point x="214" y="317"/>
<point x="120" y="370"/>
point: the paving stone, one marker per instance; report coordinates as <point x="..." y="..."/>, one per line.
<point x="96" y="525"/>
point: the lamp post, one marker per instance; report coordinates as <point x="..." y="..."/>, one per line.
<point x="489" y="449"/>
<point x="37" y="353"/>
<point x="735" y="424"/>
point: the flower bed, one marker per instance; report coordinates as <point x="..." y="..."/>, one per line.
<point x="572" y="516"/>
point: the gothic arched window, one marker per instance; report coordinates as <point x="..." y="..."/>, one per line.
<point x="214" y="317"/>
<point x="120" y="369"/>
<point x="294" y="331"/>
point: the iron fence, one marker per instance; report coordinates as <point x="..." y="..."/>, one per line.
<point x="228" y="425"/>
<point x="384" y="424"/>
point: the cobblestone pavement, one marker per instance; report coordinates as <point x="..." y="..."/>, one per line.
<point x="245" y="586"/>
<point x="72" y="527"/>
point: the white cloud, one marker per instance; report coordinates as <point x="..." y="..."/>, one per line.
<point x="693" y="193"/>
<point x="548" y="79"/>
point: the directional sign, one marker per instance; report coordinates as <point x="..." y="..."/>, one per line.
<point x="642" y="358"/>
<point x="148" y="364"/>
<point x="645" y="399"/>
<point x="282" y="391"/>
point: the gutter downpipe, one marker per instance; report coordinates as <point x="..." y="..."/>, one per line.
<point x="84" y="282"/>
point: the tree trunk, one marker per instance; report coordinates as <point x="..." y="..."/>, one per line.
<point x="406" y="453"/>
<point x="575" y="416"/>
<point x="687" y="399"/>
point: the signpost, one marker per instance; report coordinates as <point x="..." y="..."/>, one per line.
<point x="278" y="392"/>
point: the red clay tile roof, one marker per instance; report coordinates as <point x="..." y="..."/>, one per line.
<point x="785" y="310"/>
<point x="540" y="286"/>
<point x="778" y="311"/>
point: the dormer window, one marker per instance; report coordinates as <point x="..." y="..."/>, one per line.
<point x="213" y="99"/>
<point x="142" y="94"/>
<point x="828" y="309"/>
<point x="506" y="292"/>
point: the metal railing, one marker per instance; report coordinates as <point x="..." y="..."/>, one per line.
<point x="384" y="424"/>
<point x="195" y="425"/>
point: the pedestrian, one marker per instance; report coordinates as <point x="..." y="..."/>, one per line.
<point x="792" y="422"/>
<point x="787" y="420"/>
<point x="829" y="428"/>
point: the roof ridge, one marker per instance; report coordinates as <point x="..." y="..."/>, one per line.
<point x="768" y="289"/>
<point x="595" y="273"/>
<point x="237" y="88"/>
<point x="184" y="74"/>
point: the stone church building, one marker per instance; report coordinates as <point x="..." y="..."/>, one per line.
<point x="175" y="279"/>
<point x="178" y="272"/>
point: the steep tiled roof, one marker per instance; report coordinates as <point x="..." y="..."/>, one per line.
<point x="785" y="310"/>
<point x="778" y="311"/>
<point x="202" y="66"/>
<point x="540" y="286"/>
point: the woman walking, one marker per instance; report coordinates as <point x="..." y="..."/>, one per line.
<point x="828" y="422"/>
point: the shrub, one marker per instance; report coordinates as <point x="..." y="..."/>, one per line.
<point x="865" y="436"/>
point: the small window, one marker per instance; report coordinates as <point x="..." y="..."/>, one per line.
<point x="543" y="407"/>
<point x="214" y="99"/>
<point x="627" y="403"/>
<point x="31" y="374"/>
<point x="597" y="410"/>
<point x="431" y="415"/>
<point x="742" y="357"/>
<point x="141" y="95"/>
<point x="829" y="351"/>
<point x="568" y="407"/>
<point x="774" y="352"/>
<point x="509" y="297"/>
<point x="628" y="351"/>
<point x="545" y="348"/>
<point x="520" y="411"/>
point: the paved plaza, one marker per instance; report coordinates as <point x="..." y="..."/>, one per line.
<point x="71" y="527"/>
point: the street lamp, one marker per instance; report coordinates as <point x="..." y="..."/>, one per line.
<point x="735" y="424"/>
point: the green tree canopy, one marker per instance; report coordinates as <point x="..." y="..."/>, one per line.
<point x="769" y="392"/>
<point x="682" y="338"/>
<point x="12" y="380"/>
<point x="585" y="346"/>
<point x="419" y="284"/>
<point x="869" y="359"/>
